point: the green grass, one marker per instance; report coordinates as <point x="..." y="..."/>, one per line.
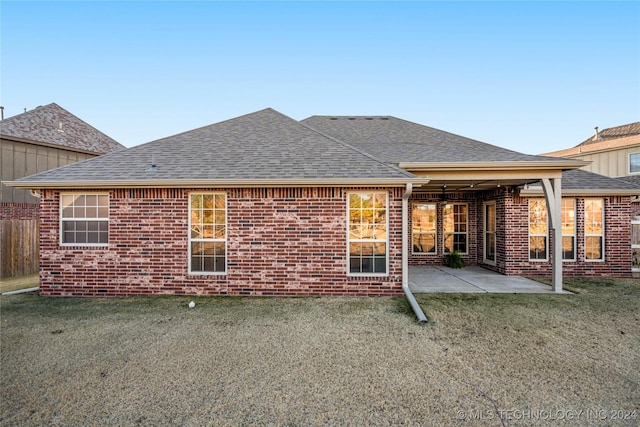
<point x="319" y="361"/>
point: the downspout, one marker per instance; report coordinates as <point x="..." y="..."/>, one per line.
<point x="405" y="255"/>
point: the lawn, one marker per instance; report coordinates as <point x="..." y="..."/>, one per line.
<point x="20" y="282"/>
<point x="483" y="359"/>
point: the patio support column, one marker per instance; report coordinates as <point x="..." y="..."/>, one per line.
<point x="553" y="196"/>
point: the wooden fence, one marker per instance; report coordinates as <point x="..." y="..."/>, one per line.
<point x="19" y="247"/>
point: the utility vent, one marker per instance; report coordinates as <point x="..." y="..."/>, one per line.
<point x="352" y="118"/>
<point x="333" y="118"/>
<point x="153" y="167"/>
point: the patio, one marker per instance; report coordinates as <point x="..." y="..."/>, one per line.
<point x="473" y="279"/>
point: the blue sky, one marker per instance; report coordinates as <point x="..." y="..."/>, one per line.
<point x="529" y="76"/>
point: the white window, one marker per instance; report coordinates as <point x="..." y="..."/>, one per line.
<point x="634" y="163"/>
<point x="454" y="218"/>
<point x="207" y="233"/>
<point x="537" y="230"/>
<point x="424" y="221"/>
<point x="594" y="229"/>
<point x="490" y="233"/>
<point x="367" y="227"/>
<point x="569" y="229"/>
<point x="84" y="219"/>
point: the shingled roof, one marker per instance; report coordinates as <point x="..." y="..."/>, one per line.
<point x="616" y="132"/>
<point x="265" y="146"/>
<point x="580" y="179"/>
<point x="53" y="125"/>
<point x="400" y="141"/>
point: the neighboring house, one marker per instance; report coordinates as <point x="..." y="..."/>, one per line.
<point x="613" y="152"/>
<point x="263" y="204"/>
<point x="44" y="138"/>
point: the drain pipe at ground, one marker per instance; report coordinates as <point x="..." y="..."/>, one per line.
<point x="405" y="255"/>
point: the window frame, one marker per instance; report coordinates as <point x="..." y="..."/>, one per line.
<point x="601" y="235"/>
<point x="190" y="239"/>
<point x="630" y="163"/>
<point x="445" y="233"/>
<point x="62" y="219"/>
<point x="434" y="233"/>
<point x="485" y="233"/>
<point x="350" y="240"/>
<point x="545" y="235"/>
<point x="574" y="235"/>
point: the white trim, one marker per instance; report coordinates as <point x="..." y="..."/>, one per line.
<point x="629" y="164"/>
<point x="61" y="219"/>
<point x="602" y="236"/>
<point x="545" y="235"/>
<point x="435" y="233"/>
<point x="190" y="240"/>
<point x="485" y="232"/>
<point x="453" y="233"/>
<point x="575" y="231"/>
<point x="634" y="246"/>
<point x="349" y="241"/>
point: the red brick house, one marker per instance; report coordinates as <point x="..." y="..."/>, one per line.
<point x="263" y="204"/>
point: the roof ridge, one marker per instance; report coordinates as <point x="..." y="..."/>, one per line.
<point x="372" y="157"/>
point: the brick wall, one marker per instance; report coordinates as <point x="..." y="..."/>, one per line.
<point x="19" y="211"/>
<point x="617" y="259"/>
<point x="512" y="236"/>
<point x="280" y="242"/>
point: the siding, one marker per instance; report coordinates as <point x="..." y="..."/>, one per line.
<point x="614" y="163"/>
<point x="19" y="159"/>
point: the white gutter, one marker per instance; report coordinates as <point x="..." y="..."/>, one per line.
<point x="405" y="255"/>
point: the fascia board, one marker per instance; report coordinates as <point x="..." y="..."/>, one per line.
<point x="494" y="166"/>
<point x="243" y="183"/>
<point x="585" y="192"/>
<point x="49" y="145"/>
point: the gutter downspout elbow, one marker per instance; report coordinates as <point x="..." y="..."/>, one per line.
<point x="405" y="255"/>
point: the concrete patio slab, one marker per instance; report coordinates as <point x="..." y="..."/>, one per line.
<point x="470" y="280"/>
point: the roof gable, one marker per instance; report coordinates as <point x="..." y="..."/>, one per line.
<point x="261" y="146"/>
<point x="53" y="125"/>
<point x="400" y="141"/>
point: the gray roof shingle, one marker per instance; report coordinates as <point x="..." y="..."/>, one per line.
<point x="52" y="124"/>
<point x="400" y="141"/>
<point x="634" y="179"/>
<point x="265" y="145"/>
<point x="580" y="179"/>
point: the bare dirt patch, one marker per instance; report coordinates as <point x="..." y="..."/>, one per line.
<point x="482" y="360"/>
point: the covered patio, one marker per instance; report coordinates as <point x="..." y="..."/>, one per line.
<point x="472" y="279"/>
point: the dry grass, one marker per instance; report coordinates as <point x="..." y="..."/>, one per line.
<point x="20" y="282"/>
<point x="338" y="361"/>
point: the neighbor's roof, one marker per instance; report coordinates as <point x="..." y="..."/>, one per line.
<point x="262" y="147"/>
<point x="614" y="133"/>
<point x="400" y="141"/>
<point x="54" y="126"/>
<point x="619" y="137"/>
